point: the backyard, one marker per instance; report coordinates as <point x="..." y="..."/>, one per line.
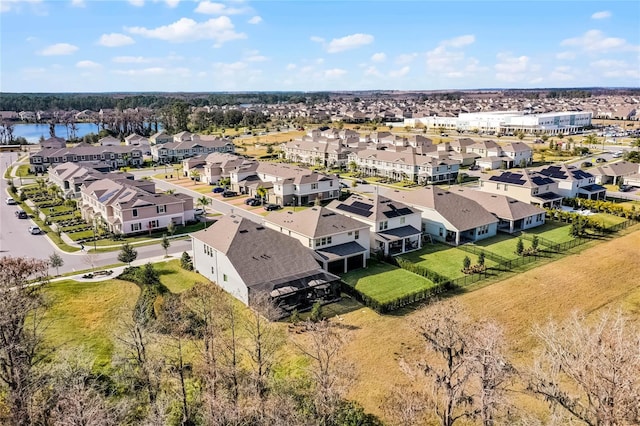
<point x="443" y="259"/>
<point x="384" y="282"/>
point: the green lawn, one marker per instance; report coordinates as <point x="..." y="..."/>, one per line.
<point x="85" y="315"/>
<point x="607" y="219"/>
<point x="175" y="278"/>
<point x="384" y="282"/>
<point x="502" y="244"/>
<point x="443" y="259"/>
<point x="555" y="231"/>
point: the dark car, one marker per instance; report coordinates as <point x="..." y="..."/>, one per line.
<point x="624" y="188"/>
<point x="227" y="194"/>
<point x="474" y="167"/>
<point x="587" y="164"/>
<point x="252" y="201"/>
<point x="217" y="190"/>
<point x="271" y="207"/>
<point x="600" y="160"/>
<point x="21" y="214"/>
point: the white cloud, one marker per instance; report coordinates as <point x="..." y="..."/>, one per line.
<point x="319" y="61"/>
<point x="317" y="39"/>
<point x="137" y="3"/>
<point x="219" y="29"/>
<point x="255" y="57"/>
<point x="211" y="8"/>
<point x="184" y="72"/>
<point x="406" y="58"/>
<point x="291" y="67"/>
<point x="566" y="55"/>
<point x="595" y="41"/>
<point x="562" y="73"/>
<point x="88" y="64"/>
<point x="372" y="71"/>
<point x="334" y="73"/>
<point x="15" y="5"/>
<point x="399" y="73"/>
<point x="378" y="57"/>
<point x="78" y="3"/>
<point x="255" y="20"/>
<point x="601" y="15"/>
<point x="514" y="68"/>
<point x="349" y="42"/>
<point x="613" y="68"/>
<point x="131" y="60"/>
<point x="461" y="41"/>
<point x="115" y="40"/>
<point x="229" y="68"/>
<point x="172" y="3"/>
<point x="58" y="49"/>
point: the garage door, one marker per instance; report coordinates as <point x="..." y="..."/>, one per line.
<point x="336" y="267"/>
<point x="354" y="262"/>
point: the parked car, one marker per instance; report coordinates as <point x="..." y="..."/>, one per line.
<point x="624" y="188"/>
<point x="344" y="185"/>
<point x="198" y="212"/>
<point x="361" y="181"/>
<point x="34" y="230"/>
<point x="10" y="201"/>
<point x="252" y="201"/>
<point x="272" y="207"/>
<point x="21" y="214"/>
<point x="600" y="160"/>
<point x="227" y="194"/>
<point x="217" y="190"/>
<point x="586" y="164"/>
<point x="474" y="167"/>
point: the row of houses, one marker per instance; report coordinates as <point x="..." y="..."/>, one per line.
<point x="115" y="156"/>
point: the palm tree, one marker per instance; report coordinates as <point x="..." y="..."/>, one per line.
<point x="353" y="166"/>
<point x="590" y="139"/>
<point x="195" y="175"/>
<point x="203" y="202"/>
<point x="261" y="191"/>
<point x="170" y="191"/>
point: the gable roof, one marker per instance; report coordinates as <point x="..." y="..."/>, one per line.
<point x="500" y="205"/>
<point x="315" y="222"/>
<point x="371" y="209"/>
<point x="260" y="255"/>
<point x="563" y="172"/>
<point x="523" y="178"/>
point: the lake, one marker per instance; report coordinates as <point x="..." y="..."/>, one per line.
<point x="32" y="132"/>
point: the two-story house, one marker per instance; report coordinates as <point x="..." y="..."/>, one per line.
<point x="447" y="216"/>
<point x="116" y="156"/>
<point x="525" y="185"/>
<point x="245" y="258"/>
<point x="340" y="242"/>
<point x="574" y="182"/>
<point x="394" y="226"/>
<point x="172" y="152"/>
<point x="133" y="207"/>
<point x="71" y="176"/>
<point x="160" y="138"/>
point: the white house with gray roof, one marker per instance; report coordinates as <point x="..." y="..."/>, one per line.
<point x="245" y="258"/>
<point x="340" y="242"/>
<point x="447" y="216"/>
<point x="394" y="226"/>
<point x="574" y="182"/>
<point x="524" y="185"/>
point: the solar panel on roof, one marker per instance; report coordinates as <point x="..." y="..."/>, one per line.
<point x="354" y="210"/>
<point x="404" y="211"/>
<point x="359" y="205"/>
<point x="391" y="213"/>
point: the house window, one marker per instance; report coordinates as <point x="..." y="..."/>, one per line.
<point x="135" y="212"/>
<point x="136" y="227"/>
<point x="153" y="224"/>
<point x="330" y="183"/>
<point x="402" y="220"/>
<point x="357" y="235"/>
<point x="497" y="186"/>
<point x="161" y="209"/>
<point x="441" y="233"/>
<point x="224" y="277"/>
<point x="310" y="241"/>
<point x="384" y="225"/>
<point x="213" y="271"/>
<point x="314" y="186"/>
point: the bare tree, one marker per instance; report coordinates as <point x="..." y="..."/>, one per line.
<point x="447" y="366"/>
<point x="591" y="371"/>
<point x="21" y="327"/>
<point x="331" y="373"/>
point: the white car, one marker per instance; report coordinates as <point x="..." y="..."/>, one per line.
<point x="10" y="201"/>
<point x="34" y="230"/>
<point x="198" y="212"/>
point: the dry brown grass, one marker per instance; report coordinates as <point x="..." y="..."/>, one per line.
<point x="600" y="277"/>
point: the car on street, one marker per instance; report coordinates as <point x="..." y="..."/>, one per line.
<point x="252" y="201"/>
<point x="34" y="230"/>
<point x="624" y="188"/>
<point x="21" y="214"/>
<point x="361" y="181"/>
<point x="198" y="212"/>
<point x="217" y="190"/>
<point x="474" y="167"/>
<point x="600" y="160"/>
<point x="343" y="185"/>
<point x="227" y="194"/>
<point x="586" y="164"/>
<point x="272" y="207"/>
<point x="10" y="201"/>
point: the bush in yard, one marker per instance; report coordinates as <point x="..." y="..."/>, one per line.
<point x="127" y="254"/>
<point x="186" y="262"/>
<point x="481" y="259"/>
<point x="519" y="247"/>
<point x="316" y="312"/>
<point x="466" y="263"/>
<point x="535" y="242"/>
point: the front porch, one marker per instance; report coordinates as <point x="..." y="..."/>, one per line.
<point x="342" y="258"/>
<point x="592" y="192"/>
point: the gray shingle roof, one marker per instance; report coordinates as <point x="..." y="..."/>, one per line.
<point x="315" y="222"/>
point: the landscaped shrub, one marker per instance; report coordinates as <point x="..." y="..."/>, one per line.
<point x="420" y="270"/>
<point x="145" y="310"/>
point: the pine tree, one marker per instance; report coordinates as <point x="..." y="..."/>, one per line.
<point x="127" y="254"/>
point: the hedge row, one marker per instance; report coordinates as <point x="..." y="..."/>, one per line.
<point x="421" y="270"/>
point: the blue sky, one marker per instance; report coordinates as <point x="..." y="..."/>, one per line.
<point x="187" y="45"/>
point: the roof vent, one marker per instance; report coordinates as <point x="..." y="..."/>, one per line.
<point x="260" y="228"/>
<point x="244" y="231"/>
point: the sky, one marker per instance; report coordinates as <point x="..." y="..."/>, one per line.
<point x="299" y="45"/>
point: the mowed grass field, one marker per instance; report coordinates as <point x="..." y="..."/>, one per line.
<point x="598" y="278"/>
<point x="443" y="259"/>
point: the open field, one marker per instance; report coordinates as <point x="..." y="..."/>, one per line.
<point x="601" y="277"/>
<point x="384" y="282"/>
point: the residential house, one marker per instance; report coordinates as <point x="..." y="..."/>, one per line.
<point x="220" y="164"/>
<point x="53" y="142"/>
<point x="246" y="259"/>
<point x="109" y="141"/>
<point x="172" y="152"/>
<point x="140" y="141"/>
<point x="612" y="173"/>
<point x="340" y="242"/>
<point x="513" y="215"/>
<point x="133" y="207"/>
<point x="286" y="184"/>
<point x="524" y="185"/>
<point x="447" y="216"/>
<point x="574" y="182"/>
<point x="115" y="156"/>
<point x="494" y="156"/>
<point x="394" y="226"/>
<point x="71" y="176"/>
<point x="160" y="138"/>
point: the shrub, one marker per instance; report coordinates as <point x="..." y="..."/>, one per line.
<point x="186" y="262"/>
<point x="466" y="263"/>
<point x="481" y="258"/>
<point x="316" y="312"/>
<point x="519" y="247"/>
